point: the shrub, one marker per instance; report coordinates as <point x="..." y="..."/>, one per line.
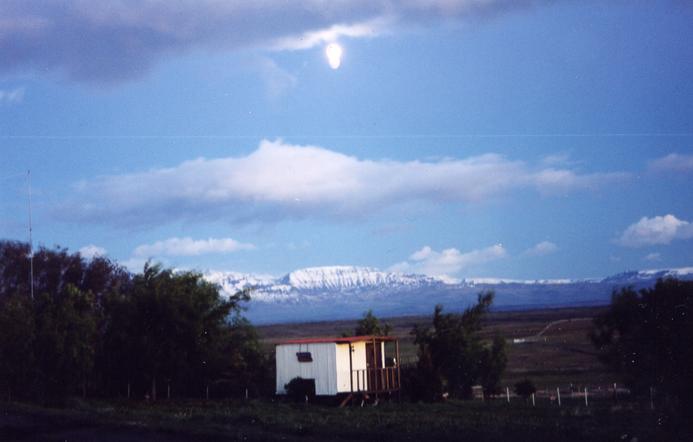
<point x="525" y="388"/>
<point x="300" y="390"/>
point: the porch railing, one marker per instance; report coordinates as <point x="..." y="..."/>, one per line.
<point x="376" y="380"/>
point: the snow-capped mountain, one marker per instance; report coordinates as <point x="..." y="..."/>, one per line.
<point x="350" y="277"/>
<point x="338" y="292"/>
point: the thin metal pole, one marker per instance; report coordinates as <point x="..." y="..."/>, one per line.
<point x="351" y="372"/>
<point x="399" y="363"/>
<point x="31" y="242"/>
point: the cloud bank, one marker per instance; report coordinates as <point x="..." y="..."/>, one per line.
<point x="91" y="251"/>
<point x="542" y="249"/>
<point x="281" y="181"/>
<point x="673" y="162"/>
<point x="11" y="96"/>
<point x="190" y="247"/>
<point x="658" y="230"/>
<point x="114" y="41"/>
<point x="447" y="263"/>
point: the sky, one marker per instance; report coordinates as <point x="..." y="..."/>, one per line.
<point x="453" y="138"/>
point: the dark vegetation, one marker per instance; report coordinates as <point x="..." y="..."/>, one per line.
<point x="108" y="344"/>
<point x="94" y="329"/>
<point x="647" y="337"/>
<point x="452" y="356"/>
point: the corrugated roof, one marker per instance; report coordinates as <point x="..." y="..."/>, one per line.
<point x="340" y="340"/>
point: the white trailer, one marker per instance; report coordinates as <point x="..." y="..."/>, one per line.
<point x="356" y="364"/>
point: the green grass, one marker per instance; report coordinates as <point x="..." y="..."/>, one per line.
<point x="566" y="356"/>
<point x="453" y="420"/>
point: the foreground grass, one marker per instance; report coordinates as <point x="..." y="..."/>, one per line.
<point x="453" y="420"/>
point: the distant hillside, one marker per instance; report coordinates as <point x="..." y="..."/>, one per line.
<point x="345" y="292"/>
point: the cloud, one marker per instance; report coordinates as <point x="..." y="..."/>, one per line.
<point x="12" y="96"/>
<point x="93" y="42"/>
<point x="447" y="263"/>
<point x="282" y="181"/>
<point x="653" y="257"/>
<point x="542" y="249"/>
<point x="90" y="251"/>
<point x="277" y="80"/>
<point x="190" y="247"/>
<point x="673" y="162"/>
<point x="655" y="231"/>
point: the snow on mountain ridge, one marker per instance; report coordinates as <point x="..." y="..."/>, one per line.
<point x="350" y="277"/>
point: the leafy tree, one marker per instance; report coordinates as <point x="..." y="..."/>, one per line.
<point x="17" y="334"/>
<point x="173" y="327"/>
<point x="493" y="363"/>
<point x="65" y="341"/>
<point x="647" y="337"/>
<point x="452" y="356"/>
<point x="370" y="325"/>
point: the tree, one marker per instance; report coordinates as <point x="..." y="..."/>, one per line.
<point x="369" y="325"/>
<point x="647" y="337"/>
<point x="452" y="356"/>
<point x="17" y="334"/>
<point x="493" y="363"/>
<point x="65" y="341"/>
<point x="173" y="327"/>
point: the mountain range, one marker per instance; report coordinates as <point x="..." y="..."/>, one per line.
<point x="346" y="292"/>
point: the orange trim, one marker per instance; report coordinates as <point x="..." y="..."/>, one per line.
<point x="347" y="340"/>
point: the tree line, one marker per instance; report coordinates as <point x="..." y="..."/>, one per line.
<point x="93" y="328"/>
<point x="451" y="355"/>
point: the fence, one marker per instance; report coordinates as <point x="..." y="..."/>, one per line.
<point x="376" y="380"/>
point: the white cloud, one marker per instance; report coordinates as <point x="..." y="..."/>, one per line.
<point x="134" y="265"/>
<point x="653" y="257"/>
<point x="11" y="96"/>
<point x="190" y="247"/>
<point x="542" y="249"/>
<point x="673" y="162"/>
<point x="90" y="251"/>
<point x="309" y="39"/>
<point x="655" y="231"/>
<point x="277" y="80"/>
<point x="279" y="181"/>
<point x="91" y="42"/>
<point x="447" y="263"/>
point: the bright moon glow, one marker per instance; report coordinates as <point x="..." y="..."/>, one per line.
<point x="334" y="55"/>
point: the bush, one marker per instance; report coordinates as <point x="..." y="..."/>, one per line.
<point x="525" y="388"/>
<point x="300" y="390"/>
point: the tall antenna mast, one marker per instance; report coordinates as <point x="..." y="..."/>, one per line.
<point x="31" y="242"/>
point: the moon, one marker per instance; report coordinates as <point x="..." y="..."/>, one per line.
<point x="334" y="55"/>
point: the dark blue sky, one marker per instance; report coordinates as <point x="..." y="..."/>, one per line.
<point x="457" y="138"/>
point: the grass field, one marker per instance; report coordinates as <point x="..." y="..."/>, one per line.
<point x="561" y="357"/>
<point x="265" y="420"/>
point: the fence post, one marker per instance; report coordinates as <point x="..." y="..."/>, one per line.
<point x="586" y="404"/>
<point x="558" y="395"/>
<point x="534" y="404"/>
<point x="507" y="393"/>
<point x="651" y="398"/>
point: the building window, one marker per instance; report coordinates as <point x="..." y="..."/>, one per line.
<point x="304" y="356"/>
